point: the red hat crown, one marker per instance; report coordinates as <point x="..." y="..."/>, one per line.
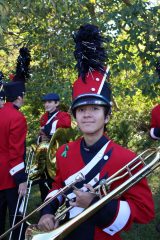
<point x="95" y="90"/>
<point x="95" y="81"/>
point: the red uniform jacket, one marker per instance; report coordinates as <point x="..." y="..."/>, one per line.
<point x="155" y="117"/>
<point x="155" y="122"/>
<point x="13" y="129"/>
<point x="139" y="197"/>
<point x="59" y="120"/>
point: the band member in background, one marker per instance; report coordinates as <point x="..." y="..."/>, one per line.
<point x="2" y="99"/>
<point x="95" y="155"/>
<point x="155" y="123"/>
<point x="53" y="118"/>
<point x="13" y="129"/>
<point x="50" y="121"/>
<point x="155" y="115"/>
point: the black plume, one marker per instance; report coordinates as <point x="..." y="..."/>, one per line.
<point x="23" y="62"/>
<point x="89" y="52"/>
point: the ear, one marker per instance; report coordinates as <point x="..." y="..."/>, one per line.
<point x="57" y="103"/>
<point x="19" y="98"/>
<point x="107" y="119"/>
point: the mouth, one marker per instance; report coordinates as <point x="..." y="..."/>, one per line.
<point x="88" y="122"/>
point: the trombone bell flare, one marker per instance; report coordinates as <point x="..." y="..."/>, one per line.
<point x="32" y="233"/>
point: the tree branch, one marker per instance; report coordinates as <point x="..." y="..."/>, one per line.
<point x="127" y="2"/>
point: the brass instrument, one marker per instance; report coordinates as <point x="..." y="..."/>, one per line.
<point x="37" y="166"/>
<point x="152" y="155"/>
<point x="44" y="154"/>
<point x="22" y="208"/>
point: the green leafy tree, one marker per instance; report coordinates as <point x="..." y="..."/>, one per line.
<point x="46" y="28"/>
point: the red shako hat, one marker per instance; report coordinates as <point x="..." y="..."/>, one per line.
<point x="92" y="86"/>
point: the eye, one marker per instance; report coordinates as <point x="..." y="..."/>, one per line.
<point x="80" y="109"/>
<point x="95" y="108"/>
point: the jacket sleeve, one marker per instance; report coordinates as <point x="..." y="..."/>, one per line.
<point x="18" y="131"/>
<point x="140" y="200"/>
<point x="137" y="202"/>
<point x="64" y="120"/>
<point x="43" y="119"/>
<point x="155" y="125"/>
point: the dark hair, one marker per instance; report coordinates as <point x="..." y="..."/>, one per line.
<point x="107" y="111"/>
<point x="12" y="99"/>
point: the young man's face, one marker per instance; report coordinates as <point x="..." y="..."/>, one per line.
<point x="50" y="106"/>
<point x="1" y="103"/>
<point x="91" y="119"/>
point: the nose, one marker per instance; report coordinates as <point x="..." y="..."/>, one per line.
<point x="87" y="112"/>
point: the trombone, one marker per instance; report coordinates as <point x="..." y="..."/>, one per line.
<point x="22" y="208"/>
<point x="151" y="154"/>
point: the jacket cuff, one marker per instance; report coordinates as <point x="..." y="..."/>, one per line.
<point x="51" y="208"/>
<point x="20" y="177"/>
<point x="157" y="132"/>
<point x="106" y="215"/>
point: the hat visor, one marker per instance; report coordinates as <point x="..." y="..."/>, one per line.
<point x="90" y="99"/>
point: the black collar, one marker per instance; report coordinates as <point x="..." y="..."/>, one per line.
<point x="96" y="146"/>
<point x="52" y="113"/>
<point x="16" y="107"/>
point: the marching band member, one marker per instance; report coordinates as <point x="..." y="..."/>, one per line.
<point x="155" y="114"/>
<point x="13" y="129"/>
<point x="50" y="121"/>
<point x="94" y="154"/>
<point x="155" y="124"/>
<point x="53" y="118"/>
<point x="155" y="133"/>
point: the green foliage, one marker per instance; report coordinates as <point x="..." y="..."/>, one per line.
<point x="130" y="123"/>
